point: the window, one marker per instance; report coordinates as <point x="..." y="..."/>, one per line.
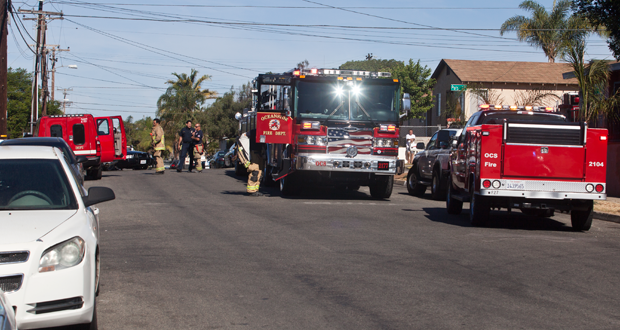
<point x="79" y="136"/>
<point x="56" y="131"/>
<point x="103" y="127"/>
<point x="431" y="143"/>
<point x="439" y="105"/>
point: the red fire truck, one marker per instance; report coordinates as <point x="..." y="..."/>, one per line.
<point x="528" y="159"/>
<point x="326" y="127"/>
<point x="100" y="139"/>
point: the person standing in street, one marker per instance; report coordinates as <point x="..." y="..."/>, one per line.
<point x="198" y="147"/>
<point x="185" y="144"/>
<point x="409" y="150"/>
<point x="254" y="172"/>
<point x="157" y="137"/>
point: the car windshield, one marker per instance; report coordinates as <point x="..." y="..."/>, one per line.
<point x="34" y="184"/>
<point x="374" y="101"/>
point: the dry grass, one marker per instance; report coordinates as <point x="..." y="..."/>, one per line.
<point x="607" y="207"/>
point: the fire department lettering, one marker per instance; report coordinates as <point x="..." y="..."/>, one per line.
<point x="276" y="116"/>
<point x="489" y="164"/>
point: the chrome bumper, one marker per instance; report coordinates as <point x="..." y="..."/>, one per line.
<point x="543" y="189"/>
<point x="359" y="164"/>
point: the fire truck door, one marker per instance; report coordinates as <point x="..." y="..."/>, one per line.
<point x="78" y="135"/>
<point x="106" y="138"/>
<point x="120" y="140"/>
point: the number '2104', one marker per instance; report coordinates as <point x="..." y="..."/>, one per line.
<point x="597" y="164"/>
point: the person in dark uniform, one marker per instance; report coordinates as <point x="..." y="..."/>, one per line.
<point x="185" y="145"/>
<point x="197" y="147"/>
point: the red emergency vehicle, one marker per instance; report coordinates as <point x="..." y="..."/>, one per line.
<point x="326" y="127"/>
<point x="530" y="159"/>
<point x="100" y="139"/>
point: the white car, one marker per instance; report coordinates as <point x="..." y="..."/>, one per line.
<point x="49" y="255"/>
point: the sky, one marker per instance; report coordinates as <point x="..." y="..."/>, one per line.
<point x="126" y="50"/>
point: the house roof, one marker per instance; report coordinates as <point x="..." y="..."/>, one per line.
<point x="507" y="72"/>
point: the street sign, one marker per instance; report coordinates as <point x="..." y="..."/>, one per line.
<point x="454" y="87"/>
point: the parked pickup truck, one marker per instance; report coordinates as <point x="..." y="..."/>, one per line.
<point x="431" y="166"/>
<point x="530" y="160"/>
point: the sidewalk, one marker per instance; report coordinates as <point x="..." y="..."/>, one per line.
<point x="608" y="210"/>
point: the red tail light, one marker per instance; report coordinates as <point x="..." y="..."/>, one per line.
<point x="599" y="188"/>
<point x="98" y="148"/>
<point x="486" y="183"/>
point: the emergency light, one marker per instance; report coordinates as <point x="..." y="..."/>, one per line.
<point x="387" y="128"/>
<point x="314" y="125"/>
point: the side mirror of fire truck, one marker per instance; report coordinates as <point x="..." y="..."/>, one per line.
<point x="238" y="116"/>
<point x="406" y="103"/>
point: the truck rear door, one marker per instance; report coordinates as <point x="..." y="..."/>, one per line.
<point x="111" y="135"/>
<point x="79" y="136"/>
<point x="544" y="151"/>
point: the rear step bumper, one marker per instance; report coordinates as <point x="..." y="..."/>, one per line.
<point x="543" y="189"/>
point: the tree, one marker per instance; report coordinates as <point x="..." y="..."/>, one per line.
<point x="182" y="101"/>
<point x="414" y="79"/>
<point x="603" y="13"/>
<point x="550" y="31"/>
<point x="593" y="78"/>
<point x="19" y="94"/>
<point x="371" y="65"/>
<point x="303" y="65"/>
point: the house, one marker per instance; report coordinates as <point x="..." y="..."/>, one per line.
<point x="462" y="85"/>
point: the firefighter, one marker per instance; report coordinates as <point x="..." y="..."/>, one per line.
<point x="157" y="136"/>
<point x="198" y="147"/>
<point x="254" y="172"/>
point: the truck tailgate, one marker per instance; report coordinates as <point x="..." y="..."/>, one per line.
<point x="544" y="161"/>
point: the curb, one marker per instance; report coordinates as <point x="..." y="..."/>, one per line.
<point x="597" y="215"/>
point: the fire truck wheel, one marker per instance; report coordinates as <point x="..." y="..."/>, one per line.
<point x="413" y="185"/>
<point x="452" y="205"/>
<point x="478" y="210"/>
<point x="437" y="191"/>
<point x="267" y="179"/>
<point x="381" y="188"/>
<point x="581" y="220"/>
<point x="289" y="186"/>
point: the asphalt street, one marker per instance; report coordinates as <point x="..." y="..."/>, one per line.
<point x="192" y="251"/>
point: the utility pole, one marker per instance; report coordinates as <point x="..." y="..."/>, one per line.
<point x="65" y="103"/>
<point x="4" y="21"/>
<point x="40" y="60"/>
<point x="53" y="59"/>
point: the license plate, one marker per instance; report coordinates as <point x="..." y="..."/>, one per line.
<point x="383" y="166"/>
<point x="143" y="161"/>
<point x="515" y="185"/>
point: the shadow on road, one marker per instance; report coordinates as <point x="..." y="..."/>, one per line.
<point x="497" y="219"/>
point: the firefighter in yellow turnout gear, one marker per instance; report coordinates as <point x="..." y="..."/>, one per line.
<point x="157" y="136"/>
<point x="254" y="172"/>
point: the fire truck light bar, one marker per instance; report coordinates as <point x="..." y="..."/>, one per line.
<point x="342" y="73"/>
<point x="484" y="107"/>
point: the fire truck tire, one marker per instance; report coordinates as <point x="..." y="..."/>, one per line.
<point x="381" y="188"/>
<point x="95" y="173"/>
<point x="267" y="179"/>
<point x="478" y="210"/>
<point x="452" y="205"/>
<point x="582" y="220"/>
<point x="289" y="186"/>
<point x="437" y="190"/>
<point x="413" y="185"/>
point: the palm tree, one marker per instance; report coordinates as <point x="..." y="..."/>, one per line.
<point x="182" y="99"/>
<point x="551" y="31"/>
<point x="593" y="78"/>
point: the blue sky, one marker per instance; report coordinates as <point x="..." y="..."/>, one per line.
<point x="125" y="50"/>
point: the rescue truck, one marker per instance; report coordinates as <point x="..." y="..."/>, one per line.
<point x="326" y="127"/>
<point x="527" y="158"/>
<point x="100" y="139"/>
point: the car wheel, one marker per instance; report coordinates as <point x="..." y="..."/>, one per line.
<point x="413" y="185"/>
<point x="437" y="191"/>
<point x="452" y="205"/>
<point x="581" y="220"/>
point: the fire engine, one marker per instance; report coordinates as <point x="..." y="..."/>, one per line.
<point x="527" y="158"/>
<point x="326" y="127"/>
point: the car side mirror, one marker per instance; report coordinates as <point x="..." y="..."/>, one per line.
<point x="406" y="105"/>
<point x="420" y="146"/>
<point x="81" y="159"/>
<point x="98" y="195"/>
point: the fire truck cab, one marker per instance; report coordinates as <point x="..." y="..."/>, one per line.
<point x="326" y="127"/>
<point x="100" y="139"/>
<point x="527" y="158"/>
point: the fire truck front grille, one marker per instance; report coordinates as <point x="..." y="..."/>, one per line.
<point x="544" y="134"/>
